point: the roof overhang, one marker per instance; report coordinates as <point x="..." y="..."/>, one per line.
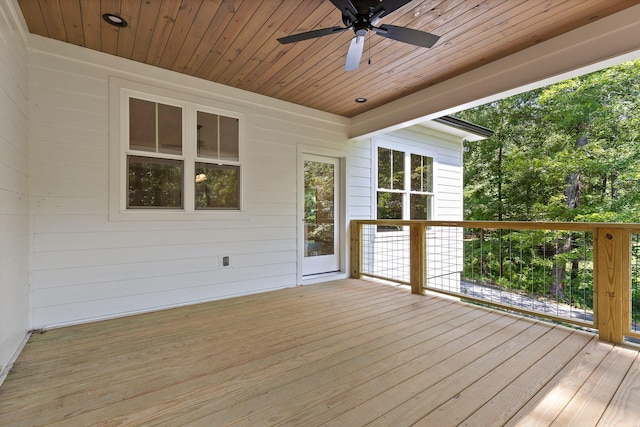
<point x="606" y="42"/>
<point x="461" y="128"/>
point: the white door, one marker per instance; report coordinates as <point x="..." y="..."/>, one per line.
<point x="320" y="215"/>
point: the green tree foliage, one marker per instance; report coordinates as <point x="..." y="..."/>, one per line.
<point x="586" y="127"/>
<point x="565" y="152"/>
<point x="319" y="207"/>
<point x="154" y="182"/>
<point x="218" y="187"/>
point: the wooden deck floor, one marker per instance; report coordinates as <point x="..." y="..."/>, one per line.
<point x="345" y="353"/>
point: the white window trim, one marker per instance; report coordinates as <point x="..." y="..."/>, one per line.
<point x="119" y="92"/>
<point x="342" y="156"/>
<point x="408" y="149"/>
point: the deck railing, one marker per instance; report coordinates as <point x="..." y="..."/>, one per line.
<point x="586" y="274"/>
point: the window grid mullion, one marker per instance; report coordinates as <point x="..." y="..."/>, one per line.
<point x="154" y="155"/>
<point x="406" y="199"/>
<point x="216" y="161"/>
<point x="218" y="134"/>
<point x="157" y="129"/>
<point x="189" y="147"/>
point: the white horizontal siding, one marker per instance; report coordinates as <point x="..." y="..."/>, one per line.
<point x="446" y="151"/>
<point x="449" y="182"/>
<point x="95" y="309"/>
<point x="14" y="186"/>
<point x="142" y="278"/>
<point x="360" y="176"/>
<point x="87" y="268"/>
<point x="72" y="259"/>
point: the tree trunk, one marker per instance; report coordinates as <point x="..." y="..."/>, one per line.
<point x="500" y="201"/>
<point x="559" y="269"/>
<point x="575" y="269"/>
<point x="573" y="191"/>
<point x="572" y="194"/>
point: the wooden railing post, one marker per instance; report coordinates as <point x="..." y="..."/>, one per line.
<point x="356" y="249"/>
<point x="418" y="260"/>
<point x="612" y="274"/>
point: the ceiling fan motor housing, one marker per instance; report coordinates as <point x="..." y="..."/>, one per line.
<point x="360" y="28"/>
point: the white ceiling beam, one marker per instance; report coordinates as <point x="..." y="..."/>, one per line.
<point x="606" y="42"/>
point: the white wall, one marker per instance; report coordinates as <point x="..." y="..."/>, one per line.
<point x="383" y="254"/>
<point x="14" y="186"/>
<point x="360" y="178"/>
<point x="86" y="267"/>
<point x="446" y="151"/>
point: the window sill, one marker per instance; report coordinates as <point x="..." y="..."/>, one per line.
<point x="177" y="215"/>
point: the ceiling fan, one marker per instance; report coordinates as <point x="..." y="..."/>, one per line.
<point x="362" y="16"/>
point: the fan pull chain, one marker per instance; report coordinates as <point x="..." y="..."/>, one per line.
<point x="369" y="40"/>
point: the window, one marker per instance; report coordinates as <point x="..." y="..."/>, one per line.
<point x="217" y="172"/>
<point x="421" y="187"/>
<point x="178" y="156"/>
<point x="155" y="165"/>
<point x="403" y="195"/>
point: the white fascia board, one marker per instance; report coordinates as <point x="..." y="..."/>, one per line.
<point x="603" y="43"/>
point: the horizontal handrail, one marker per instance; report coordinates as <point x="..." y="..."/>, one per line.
<point x="507" y="225"/>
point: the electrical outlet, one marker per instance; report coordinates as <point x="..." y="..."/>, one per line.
<point x="225" y="261"/>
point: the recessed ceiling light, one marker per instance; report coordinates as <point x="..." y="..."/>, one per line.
<point x="115" y="20"/>
<point x="361" y="100"/>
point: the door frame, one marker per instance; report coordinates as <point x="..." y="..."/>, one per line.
<point x="341" y="214"/>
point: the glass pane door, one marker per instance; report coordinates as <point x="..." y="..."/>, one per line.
<point x="320" y="244"/>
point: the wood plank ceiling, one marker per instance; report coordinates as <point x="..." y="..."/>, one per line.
<point x="233" y="42"/>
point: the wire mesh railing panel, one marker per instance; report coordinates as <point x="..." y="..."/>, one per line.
<point x="634" y="326"/>
<point x="540" y="268"/>
<point x="544" y="272"/>
<point x="444" y="250"/>
<point x="386" y="252"/>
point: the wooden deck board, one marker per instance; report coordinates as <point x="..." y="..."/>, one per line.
<point x="345" y="353"/>
<point x="426" y="391"/>
<point x="501" y="407"/>
<point x="550" y="400"/>
<point x="590" y="403"/>
<point x="624" y="405"/>
<point x="329" y="387"/>
<point x="195" y="353"/>
<point x="474" y="397"/>
<point x="382" y="378"/>
<point x="279" y="370"/>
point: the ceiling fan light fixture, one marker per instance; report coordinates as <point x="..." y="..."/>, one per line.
<point x="114" y="20"/>
<point x="361" y="100"/>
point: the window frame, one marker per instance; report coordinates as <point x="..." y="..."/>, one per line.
<point x="411" y="191"/>
<point x="219" y="162"/>
<point x="406" y="191"/>
<point x="120" y="91"/>
<point x="127" y="151"/>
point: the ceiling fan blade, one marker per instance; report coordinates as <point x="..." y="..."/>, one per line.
<point x="355" y="53"/>
<point x="389" y="6"/>
<point x="407" y="35"/>
<point x="311" y="35"/>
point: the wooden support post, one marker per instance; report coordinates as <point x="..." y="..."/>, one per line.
<point x="418" y="260"/>
<point x="356" y="249"/>
<point x="612" y="274"/>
